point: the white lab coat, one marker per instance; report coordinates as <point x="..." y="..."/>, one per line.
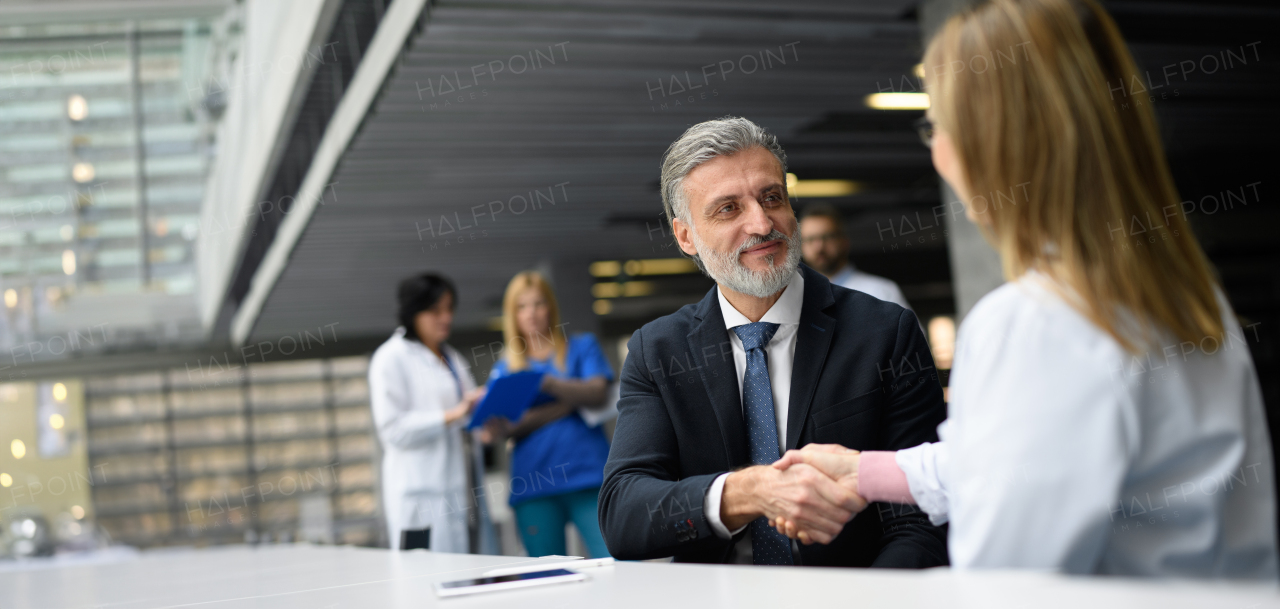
<point x="424" y="461"/>
<point x="1063" y="452"/>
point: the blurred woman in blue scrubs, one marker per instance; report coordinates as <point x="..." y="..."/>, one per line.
<point x="557" y="466"/>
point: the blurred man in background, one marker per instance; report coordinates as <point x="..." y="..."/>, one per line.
<point x="826" y="249"/>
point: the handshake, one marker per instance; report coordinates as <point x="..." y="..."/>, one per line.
<point x="808" y="494"/>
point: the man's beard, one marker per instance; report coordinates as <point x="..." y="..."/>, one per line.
<point x="727" y="268"/>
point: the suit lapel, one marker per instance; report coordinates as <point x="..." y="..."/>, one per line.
<point x="813" y="339"/>
<point x="709" y="347"/>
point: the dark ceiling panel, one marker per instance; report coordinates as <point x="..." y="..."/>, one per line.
<point x="596" y="122"/>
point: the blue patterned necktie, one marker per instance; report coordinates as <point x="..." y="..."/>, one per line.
<point x="768" y="546"/>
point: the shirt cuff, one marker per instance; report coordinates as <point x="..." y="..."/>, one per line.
<point x="925" y="467"/>
<point x="880" y="478"/>
<point x="711" y="508"/>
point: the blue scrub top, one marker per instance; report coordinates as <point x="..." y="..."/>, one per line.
<point x="565" y="455"/>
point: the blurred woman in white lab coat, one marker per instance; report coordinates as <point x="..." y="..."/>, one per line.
<point x="1105" y="413"/>
<point x="422" y="394"/>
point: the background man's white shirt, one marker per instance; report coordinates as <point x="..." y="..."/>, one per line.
<point x="884" y="289"/>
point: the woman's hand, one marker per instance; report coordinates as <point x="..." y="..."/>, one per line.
<point x="831" y="459"/>
<point x="588" y="393"/>
<point x="835" y="461"/>
<point x="499" y="428"/>
<point x="534" y="418"/>
<point x="464" y="408"/>
<point x="496" y="429"/>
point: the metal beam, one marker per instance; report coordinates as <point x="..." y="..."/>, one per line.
<point x="383" y="51"/>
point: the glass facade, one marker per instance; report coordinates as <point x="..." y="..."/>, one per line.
<point x="106" y="136"/>
<point x="209" y="455"/>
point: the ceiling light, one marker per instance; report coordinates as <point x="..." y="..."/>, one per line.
<point x="56" y="421"/>
<point x="637" y="288"/>
<point x="82" y="172"/>
<point x="69" y="262"/>
<point x="824" y="188"/>
<point x="77" y="108"/>
<point x="11" y="298"/>
<point x="942" y="341"/>
<point x="59" y="391"/>
<point x="611" y="289"/>
<point x="898" y="101"/>
<point x="605" y="268"/>
<point x="6" y="480"/>
<point x="18" y="448"/>
<point x="660" y="266"/>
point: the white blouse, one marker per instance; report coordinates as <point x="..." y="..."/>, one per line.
<point x="1064" y="452"/>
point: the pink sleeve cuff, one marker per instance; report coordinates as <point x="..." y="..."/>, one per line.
<point x="880" y="478"/>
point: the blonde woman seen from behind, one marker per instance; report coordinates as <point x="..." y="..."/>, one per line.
<point x="1105" y="414"/>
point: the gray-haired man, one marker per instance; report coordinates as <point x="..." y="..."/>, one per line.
<point x="773" y="358"/>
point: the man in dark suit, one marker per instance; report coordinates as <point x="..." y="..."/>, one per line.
<point x="775" y="357"/>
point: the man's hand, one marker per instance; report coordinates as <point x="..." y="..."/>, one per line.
<point x="832" y="460"/>
<point x="800" y="494"/>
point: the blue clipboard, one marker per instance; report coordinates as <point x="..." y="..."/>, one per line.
<point x="507" y="397"/>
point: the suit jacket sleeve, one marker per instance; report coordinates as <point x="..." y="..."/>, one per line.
<point x="915" y="409"/>
<point x="646" y="510"/>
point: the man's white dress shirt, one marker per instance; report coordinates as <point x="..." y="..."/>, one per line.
<point x="1064" y="452"/>
<point x="781" y="352"/>
<point x="884" y="289"/>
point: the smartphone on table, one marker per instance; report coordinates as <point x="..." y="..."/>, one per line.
<point x="477" y="585"/>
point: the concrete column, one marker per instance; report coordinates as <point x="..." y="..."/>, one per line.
<point x="572" y="284"/>
<point x="975" y="266"/>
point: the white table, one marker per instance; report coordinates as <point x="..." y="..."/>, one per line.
<point x="315" y="577"/>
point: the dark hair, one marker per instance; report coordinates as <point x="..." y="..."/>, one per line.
<point x="824" y="210"/>
<point x="419" y="293"/>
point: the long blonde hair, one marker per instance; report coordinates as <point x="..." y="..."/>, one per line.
<point x="516" y="345"/>
<point x="1027" y="90"/>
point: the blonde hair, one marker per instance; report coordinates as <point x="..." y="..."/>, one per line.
<point x="516" y="345"/>
<point x="1037" y="113"/>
